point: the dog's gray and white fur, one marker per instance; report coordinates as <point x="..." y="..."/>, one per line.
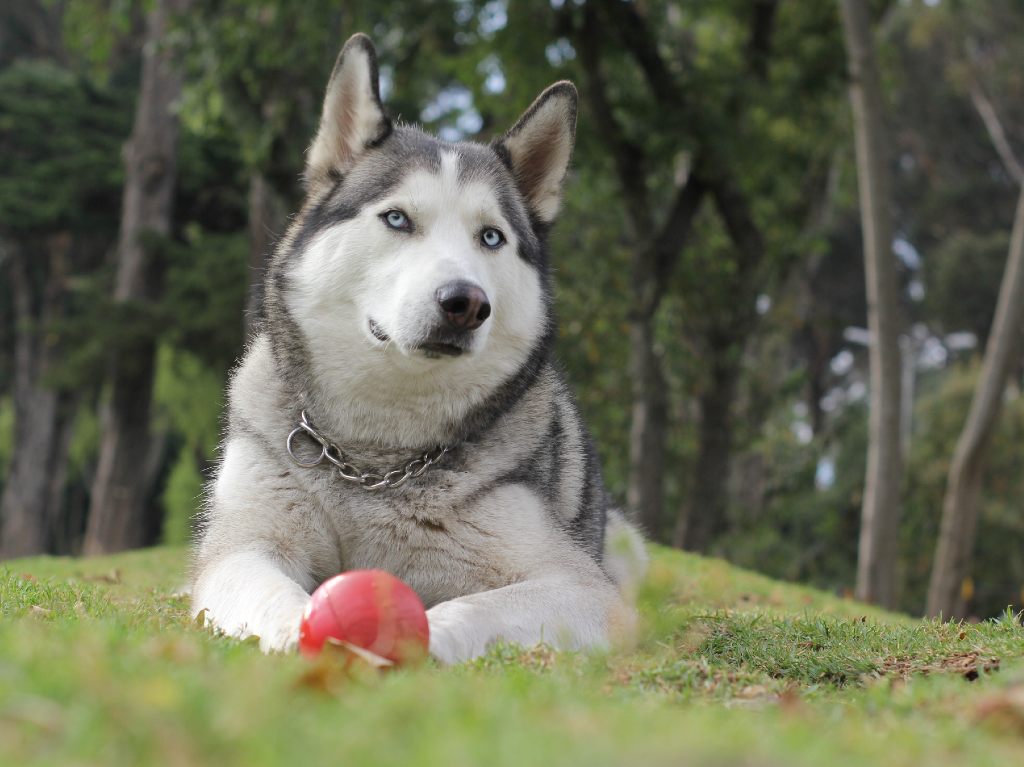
<point x="511" y="537"/>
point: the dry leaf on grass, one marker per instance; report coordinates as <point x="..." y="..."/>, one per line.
<point x="968" y="664"/>
<point x="358" y="653"/>
<point x="338" y="664"/>
<point x="113" y="577"/>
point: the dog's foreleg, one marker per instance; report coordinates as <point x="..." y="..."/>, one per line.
<point x="249" y="594"/>
<point x="565" y="611"/>
<point x="260" y="546"/>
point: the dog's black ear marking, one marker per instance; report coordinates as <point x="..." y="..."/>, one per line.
<point x="538" y="147"/>
<point x="353" y="117"/>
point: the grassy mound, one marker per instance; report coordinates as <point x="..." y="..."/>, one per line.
<point x="100" y="664"/>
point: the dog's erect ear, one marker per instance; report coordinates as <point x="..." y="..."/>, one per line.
<point x="539" y="145"/>
<point x="353" y="118"/>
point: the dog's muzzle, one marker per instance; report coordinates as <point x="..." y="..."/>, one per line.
<point x="463" y="308"/>
<point x="464" y="305"/>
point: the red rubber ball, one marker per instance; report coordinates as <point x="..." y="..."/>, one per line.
<point x="371" y="609"/>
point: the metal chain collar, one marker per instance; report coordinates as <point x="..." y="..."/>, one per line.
<point x="368" y="480"/>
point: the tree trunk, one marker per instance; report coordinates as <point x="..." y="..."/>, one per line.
<point x="117" y="513"/>
<point x="26" y="513"/>
<point x="657" y="243"/>
<point x="880" y="513"/>
<point x="266" y="220"/>
<point x="27" y="508"/>
<point x="703" y="518"/>
<point x="961" y="505"/>
<point x="652" y="265"/>
<point x="645" y="493"/>
<point x="704" y="515"/>
<point x="58" y="474"/>
<point x="645" y="488"/>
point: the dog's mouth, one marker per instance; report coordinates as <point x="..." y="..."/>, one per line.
<point x="438" y="345"/>
<point x="445" y="342"/>
<point x="435" y="349"/>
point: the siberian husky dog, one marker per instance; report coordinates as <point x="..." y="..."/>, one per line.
<point x="401" y="409"/>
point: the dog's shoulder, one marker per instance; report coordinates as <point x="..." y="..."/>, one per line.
<point x="258" y="404"/>
<point x="561" y="464"/>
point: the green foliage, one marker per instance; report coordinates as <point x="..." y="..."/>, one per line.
<point x="805" y="532"/>
<point x="102" y="663"/>
<point x="591" y="285"/>
<point x="998" y="568"/>
<point x="97" y="327"/>
<point x="188" y="396"/>
<point x="972" y="259"/>
<point x="181" y="499"/>
<point x="248" y="75"/>
<point x="84" y="443"/>
<point x="94" y="31"/>
<point x="6" y="435"/>
<point x="809" y="534"/>
<point x="188" y="399"/>
<point x="60" y="137"/>
<point x="200" y="306"/>
<point x="6" y="432"/>
<point x="204" y="296"/>
<point x="952" y="191"/>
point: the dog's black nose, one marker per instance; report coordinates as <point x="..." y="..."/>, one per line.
<point x="464" y="304"/>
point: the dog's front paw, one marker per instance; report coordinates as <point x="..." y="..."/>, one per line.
<point x="277" y="629"/>
<point x="283" y="638"/>
<point x="452" y="637"/>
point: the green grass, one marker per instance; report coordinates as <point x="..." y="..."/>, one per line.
<point x="100" y="664"/>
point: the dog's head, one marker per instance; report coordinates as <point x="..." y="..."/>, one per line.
<point x="416" y="273"/>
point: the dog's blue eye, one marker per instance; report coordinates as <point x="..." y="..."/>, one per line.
<point x="492" y="238"/>
<point x="396" y="219"/>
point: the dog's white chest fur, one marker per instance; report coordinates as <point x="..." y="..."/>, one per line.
<point x="445" y="552"/>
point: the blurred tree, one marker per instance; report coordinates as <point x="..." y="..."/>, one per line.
<point x="877" y="552"/>
<point x="31" y="28"/>
<point x="57" y="133"/>
<point x="961" y="506"/>
<point x="995" y="577"/>
<point x="656" y="246"/>
<point x="250" y="79"/>
<point x="677" y="137"/>
<point x="965" y="257"/>
<point x="118" y="508"/>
